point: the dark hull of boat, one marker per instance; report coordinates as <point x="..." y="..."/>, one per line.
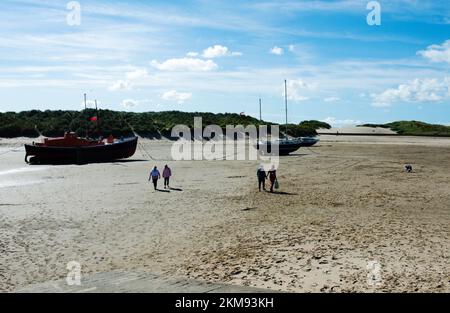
<point x="309" y="142"/>
<point x="283" y="149"/>
<point x="81" y="155"/>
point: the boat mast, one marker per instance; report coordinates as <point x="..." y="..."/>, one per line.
<point x="260" y="115"/>
<point x="286" y="103"/>
<point x="85" y="108"/>
<point x="97" y="120"/>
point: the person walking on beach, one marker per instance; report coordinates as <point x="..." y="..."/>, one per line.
<point x="167" y="172"/>
<point x="261" y="174"/>
<point x="272" y="177"/>
<point x="154" y="176"/>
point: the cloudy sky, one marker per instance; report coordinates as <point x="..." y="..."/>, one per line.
<point x="222" y="56"/>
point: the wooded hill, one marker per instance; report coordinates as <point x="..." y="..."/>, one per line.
<point x="148" y="124"/>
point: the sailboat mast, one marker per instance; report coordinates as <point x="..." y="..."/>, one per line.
<point x="286" y="105"/>
<point x="260" y="115"/>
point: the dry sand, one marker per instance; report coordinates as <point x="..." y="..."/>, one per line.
<point x="341" y="205"/>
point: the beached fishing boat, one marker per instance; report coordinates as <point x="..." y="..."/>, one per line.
<point x="71" y="149"/>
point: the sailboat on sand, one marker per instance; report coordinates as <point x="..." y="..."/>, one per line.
<point x="287" y="145"/>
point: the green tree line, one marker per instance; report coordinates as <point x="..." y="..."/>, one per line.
<point x="148" y="124"/>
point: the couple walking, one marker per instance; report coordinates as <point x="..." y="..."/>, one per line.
<point x="262" y="176"/>
<point x="155" y="176"/>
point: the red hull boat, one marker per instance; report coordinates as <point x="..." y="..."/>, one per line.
<point x="71" y="149"/>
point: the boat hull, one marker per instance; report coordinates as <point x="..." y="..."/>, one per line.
<point x="309" y="142"/>
<point x="283" y="149"/>
<point x="80" y="155"/>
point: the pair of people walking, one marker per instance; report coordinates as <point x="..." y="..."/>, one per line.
<point x="262" y="176"/>
<point x="155" y="175"/>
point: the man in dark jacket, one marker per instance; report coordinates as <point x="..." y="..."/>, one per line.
<point x="261" y="174"/>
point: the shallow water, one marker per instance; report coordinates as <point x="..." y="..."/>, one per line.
<point x="18" y="183"/>
<point x="21" y="170"/>
<point x="18" y="176"/>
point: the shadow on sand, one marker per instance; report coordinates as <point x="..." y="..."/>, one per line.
<point x="118" y="162"/>
<point x="282" y="193"/>
<point x="292" y="155"/>
<point x="168" y="190"/>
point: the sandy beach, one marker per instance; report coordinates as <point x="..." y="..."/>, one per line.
<point x="341" y="205"/>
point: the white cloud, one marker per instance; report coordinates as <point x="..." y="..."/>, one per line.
<point x="130" y="79"/>
<point x="179" y="97"/>
<point x="90" y="103"/>
<point x="192" y="54"/>
<point x="129" y="103"/>
<point x="137" y="74"/>
<point x="338" y="122"/>
<point x="291" y="48"/>
<point x="332" y="99"/>
<point x="217" y="51"/>
<point x="297" y="90"/>
<point x="437" y="53"/>
<point x="276" y="50"/>
<point x="185" y="65"/>
<point x="418" y="90"/>
<point x="120" y="85"/>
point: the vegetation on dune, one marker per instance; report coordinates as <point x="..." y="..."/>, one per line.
<point x="156" y="124"/>
<point x="315" y="125"/>
<point x="148" y="124"/>
<point x="295" y="131"/>
<point x="304" y="129"/>
<point x="415" y="128"/>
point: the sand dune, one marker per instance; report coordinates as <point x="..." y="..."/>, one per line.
<point x="357" y="130"/>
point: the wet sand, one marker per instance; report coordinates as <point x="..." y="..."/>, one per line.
<point x="341" y="205"/>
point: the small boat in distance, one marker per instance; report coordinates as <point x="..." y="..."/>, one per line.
<point x="71" y="149"/>
<point x="287" y="145"/>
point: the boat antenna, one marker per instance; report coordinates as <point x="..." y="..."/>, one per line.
<point x="98" y="126"/>
<point x="85" y="108"/>
<point x="286" y="105"/>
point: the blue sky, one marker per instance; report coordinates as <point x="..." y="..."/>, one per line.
<point x="222" y="56"/>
